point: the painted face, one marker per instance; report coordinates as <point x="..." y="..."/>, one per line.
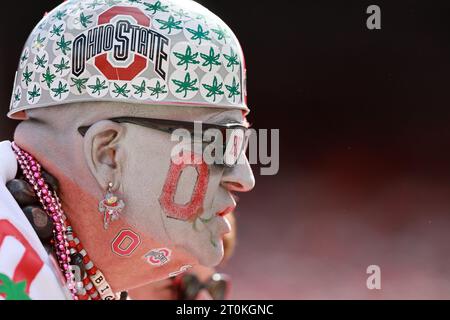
<point x="181" y="203"/>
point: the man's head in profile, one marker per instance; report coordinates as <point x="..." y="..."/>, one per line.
<point x="102" y="86"/>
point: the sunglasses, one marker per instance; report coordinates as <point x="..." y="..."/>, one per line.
<point x="188" y="286"/>
<point x="236" y="136"/>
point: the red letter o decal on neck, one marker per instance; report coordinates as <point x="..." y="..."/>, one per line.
<point x="125" y="243"/>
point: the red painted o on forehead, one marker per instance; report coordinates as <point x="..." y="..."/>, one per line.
<point x="193" y="208"/>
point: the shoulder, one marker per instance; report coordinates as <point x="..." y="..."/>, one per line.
<point x="19" y="262"/>
<point x="26" y="270"/>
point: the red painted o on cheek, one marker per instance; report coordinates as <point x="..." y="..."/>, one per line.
<point x="193" y="208"/>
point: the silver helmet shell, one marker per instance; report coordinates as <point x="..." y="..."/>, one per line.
<point x="151" y="52"/>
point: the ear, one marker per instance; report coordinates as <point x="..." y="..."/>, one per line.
<point x="104" y="152"/>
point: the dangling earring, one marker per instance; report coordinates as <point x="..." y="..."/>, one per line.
<point x="111" y="207"/>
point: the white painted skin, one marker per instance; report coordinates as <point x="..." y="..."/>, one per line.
<point x="149" y="153"/>
<point x="136" y="160"/>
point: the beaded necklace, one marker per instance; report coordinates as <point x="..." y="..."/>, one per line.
<point x="88" y="283"/>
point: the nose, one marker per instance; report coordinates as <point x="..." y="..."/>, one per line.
<point x="240" y="177"/>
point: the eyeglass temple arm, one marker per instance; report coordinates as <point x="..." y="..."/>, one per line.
<point x="162" y="124"/>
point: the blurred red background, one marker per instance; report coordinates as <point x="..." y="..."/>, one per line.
<point x="364" y="146"/>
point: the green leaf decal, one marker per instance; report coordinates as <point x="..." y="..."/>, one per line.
<point x="98" y="87"/>
<point x="199" y="34"/>
<point x="210" y="60"/>
<point x="140" y="89"/>
<point x="13" y="290"/>
<point x="63" y="45"/>
<point x="60" y="90"/>
<point x="80" y="84"/>
<point x="214" y="89"/>
<point x="157" y="6"/>
<point x="232" y="59"/>
<point x="186" y="85"/>
<point x="121" y="90"/>
<point x="169" y="24"/>
<point x="233" y="90"/>
<point x="186" y="58"/>
<point x="157" y="90"/>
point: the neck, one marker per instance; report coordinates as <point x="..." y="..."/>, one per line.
<point x="64" y="233"/>
<point x="80" y="194"/>
<point x="81" y="209"/>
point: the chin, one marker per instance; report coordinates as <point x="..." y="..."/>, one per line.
<point x="212" y="256"/>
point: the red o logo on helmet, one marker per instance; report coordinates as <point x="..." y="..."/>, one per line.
<point x="139" y="63"/>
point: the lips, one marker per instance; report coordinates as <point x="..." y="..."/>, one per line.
<point x="225" y="211"/>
